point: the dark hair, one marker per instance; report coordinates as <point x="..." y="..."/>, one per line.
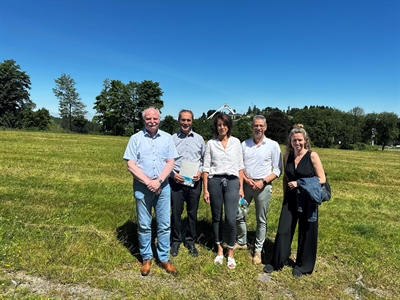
<point x="185" y="111"/>
<point x="226" y="120"/>
<point x="298" y="128"/>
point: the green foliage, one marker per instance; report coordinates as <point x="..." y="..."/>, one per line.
<point x="322" y="124"/>
<point x="203" y="126"/>
<point x="39" y="119"/>
<point x="242" y="129"/>
<point x="385" y="124"/>
<point x="14" y="96"/>
<point x="149" y="94"/>
<point x="79" y="124"/>
<point x="269" y="110"/>
<point x="210" y="112"/>
<point x="357" y="146"/>
<point x="111" y="106"/>
<point x="119" y="106"/>
<point x="278" y="126"/>
<point x="169" y="124"/>
<point x="69" y="104"/>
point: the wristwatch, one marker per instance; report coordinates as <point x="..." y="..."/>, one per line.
<point x="264" y="182"/>
<point x="159" y="180"/>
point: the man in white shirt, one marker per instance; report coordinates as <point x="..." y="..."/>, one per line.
<point x="262" y="164"/>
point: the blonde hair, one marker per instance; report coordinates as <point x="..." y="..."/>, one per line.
<point x="298" y="128"/>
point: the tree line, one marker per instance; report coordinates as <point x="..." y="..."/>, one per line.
<point x="119" y="106"/>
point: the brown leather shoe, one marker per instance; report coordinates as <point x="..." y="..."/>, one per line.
<point x="145" y="268"/>
<point x="167" y="266"/>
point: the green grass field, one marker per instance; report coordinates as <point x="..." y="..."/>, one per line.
<point x="67" y="229"/>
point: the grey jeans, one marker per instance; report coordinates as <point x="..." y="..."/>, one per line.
<point x="261" y="200"/>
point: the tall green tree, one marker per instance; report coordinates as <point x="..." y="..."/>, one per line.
<point x="14" y="96"/>
<point x="119" y="106"/>
<point x="321" y="123"/>
<point x="278" y="127"/>
<point x="148" y="94"/>
<point x="385" y="126"/>
<point x="111" y="106"/>
<point x="351" y="128"/>
<point x="69" y="105"/>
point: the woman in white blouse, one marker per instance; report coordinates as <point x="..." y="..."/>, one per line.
<point x="223" y="183"/>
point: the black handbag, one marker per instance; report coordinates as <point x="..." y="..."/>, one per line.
<point x="326" y="190"/>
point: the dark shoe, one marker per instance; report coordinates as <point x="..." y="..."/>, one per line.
<point x="268" y="268"/>
<point x="193" y="251"/>
<point x="296" y="273"/>
<point x="167" y="266"/>
<point x="174" y="250"/>
<point x="145" y="268"/>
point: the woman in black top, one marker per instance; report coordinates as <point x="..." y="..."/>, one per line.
<point x="299" y="162"/>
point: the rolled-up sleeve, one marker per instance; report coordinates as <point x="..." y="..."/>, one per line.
<point x="277" y="161"/>
<point x="207" y="158"/>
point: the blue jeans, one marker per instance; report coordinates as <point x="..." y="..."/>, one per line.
<point x="261" y="200"/>
<point x="145" y="201"/>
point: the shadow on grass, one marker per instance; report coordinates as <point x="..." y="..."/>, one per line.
<point x="127" y="235"/>
<point x="205" y="238"/>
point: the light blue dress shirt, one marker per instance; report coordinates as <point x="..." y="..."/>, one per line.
<point x="150" y="153"/>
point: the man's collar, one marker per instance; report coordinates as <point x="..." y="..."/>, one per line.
<point x="180" y="133"/>
<point x="148" y="134"/>
<point x="264" y="139"/>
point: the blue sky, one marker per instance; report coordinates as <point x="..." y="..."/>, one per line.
<point x="342" y="54"/>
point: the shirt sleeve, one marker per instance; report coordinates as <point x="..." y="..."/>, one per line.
<point x="172" y="152"/>
<point x="131" y="150"/>
<point x="240" y="156"/>
<point x="202" y="150"/>
<point x="207" y="158"/>
<point x="276" y="160"/>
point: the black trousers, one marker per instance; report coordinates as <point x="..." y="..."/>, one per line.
<point x="179" y="195"/>
<point x="307" y="238"/>
<point x="224" y="198"/>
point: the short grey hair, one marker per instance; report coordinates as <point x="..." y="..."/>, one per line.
<point x="259" y="117"/>
<point x="151" y="107"/>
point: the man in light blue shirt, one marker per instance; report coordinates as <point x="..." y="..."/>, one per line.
<point x="150" y="156"/>
<point x="262" y="164"/>
<point x="190" y="147"/>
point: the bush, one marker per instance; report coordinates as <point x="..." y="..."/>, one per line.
<point x="360" y="146"/>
